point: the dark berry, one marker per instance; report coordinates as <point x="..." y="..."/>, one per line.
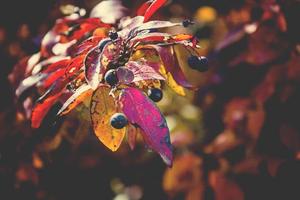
<point x="111" y="77"/>
<point x="187" y="22"/>
<point x="103" y="43"/>
<point x="155" y="94"/>
<point x="113" y="65"/>
<point x="118" y="120"/>
<point x="113" y="35"/>
<point x="198" y="63"/>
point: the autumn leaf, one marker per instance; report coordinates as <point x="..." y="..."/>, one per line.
<point x="82" y="93"/>
<point x="102" y="108"/>
<point x="140" y="110"/>
<point x="92" y="64"/>
<point x="46" y="101"/>
<point x="149" y="54"/>
<point x="150" y="7"/>
<point x="138" y="71"/>
<point x="132" y="132"/>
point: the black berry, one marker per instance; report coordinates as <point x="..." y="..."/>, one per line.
<point x="155" y="94"/>
<point x="103" y="43"/>
<point x="111" y="77"/>
<point x="118" y="120"/>
<point x="113" y="35"/>
<point x="198" y="63"/>
<point x="113" y="65"/>
<point x="187" y="22"/>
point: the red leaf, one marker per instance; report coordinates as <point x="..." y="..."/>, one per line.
<point x="142" y="10"/>
<point x="86" y="45"/>
<point x="153" y="7"/>
<point x="140" y="110"/>
<point x="57" y="65"/>
<point x="45" y="102"/>
<point x="75" y="65"/>
<point x="53" y="77"/>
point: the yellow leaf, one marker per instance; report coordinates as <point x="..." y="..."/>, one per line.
<point x="151" y="55"/>
<point x="171" y="82"/>
<point x="102" y="108"/>
<point x="194" y="77"/>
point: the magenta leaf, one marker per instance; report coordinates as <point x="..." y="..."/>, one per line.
<point x="140" y="110"/>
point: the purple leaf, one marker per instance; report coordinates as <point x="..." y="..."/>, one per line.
<point x="140" y="110"/>
<point x="138" y="71"/>
<point x="144" y="71"/>
<point x="125" y="75"/>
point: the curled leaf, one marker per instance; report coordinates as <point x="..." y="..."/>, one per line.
<point x="83" y="92"/>
<point x="92" y="67"/>
<point x="140" y="110"/>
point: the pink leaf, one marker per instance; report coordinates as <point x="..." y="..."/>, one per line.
<point x="140" y="110"/>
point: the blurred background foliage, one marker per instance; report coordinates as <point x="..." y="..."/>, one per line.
<point x="236" y="138"/>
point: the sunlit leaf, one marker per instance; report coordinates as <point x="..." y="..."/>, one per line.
<point x="92" y="65"/>
<point x="82" y="93"/>
<point x="102" y="108"/>
<point x="43" y="64"/>
<point x="157" y="25"/>
<point x="29" y="82"/>
<point x="149" y="54"/>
